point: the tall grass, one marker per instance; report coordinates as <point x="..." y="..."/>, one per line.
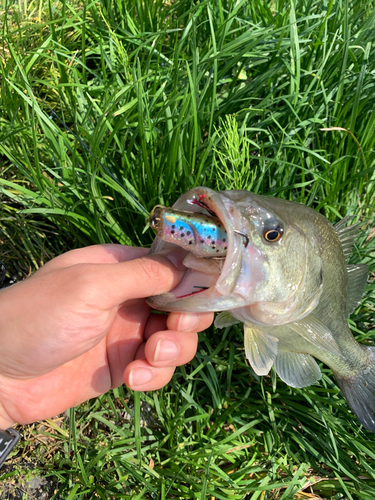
<point x="277" y="98"/>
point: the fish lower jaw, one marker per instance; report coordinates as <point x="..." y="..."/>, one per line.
<point x="198" y="291"/>
<point x="195" y="293"/>
<point x="194" y="282"/>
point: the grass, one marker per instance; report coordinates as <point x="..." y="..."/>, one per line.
<point x="161" y="97"/>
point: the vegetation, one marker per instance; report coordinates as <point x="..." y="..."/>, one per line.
<point x="274" y="97"/>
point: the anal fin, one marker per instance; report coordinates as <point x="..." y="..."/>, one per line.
<point x="261" y="349"/>
<point x="297" y="369"/>
<point x="315" y="332"/>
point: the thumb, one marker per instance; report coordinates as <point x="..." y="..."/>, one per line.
<point x="139" y="278"/>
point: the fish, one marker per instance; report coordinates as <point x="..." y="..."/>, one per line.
<point x="283" y="272"/>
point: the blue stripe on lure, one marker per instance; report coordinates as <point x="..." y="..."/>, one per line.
<point x="202" y="235"/>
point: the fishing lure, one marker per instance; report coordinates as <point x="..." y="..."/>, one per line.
<point x="201" y="234"/>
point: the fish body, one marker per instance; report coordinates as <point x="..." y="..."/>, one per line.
<point x="285" y="276"/>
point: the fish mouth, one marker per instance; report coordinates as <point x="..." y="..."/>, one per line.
<point x="209" y="284"/>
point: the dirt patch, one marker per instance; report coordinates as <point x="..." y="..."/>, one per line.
<point x="21" y="483"/>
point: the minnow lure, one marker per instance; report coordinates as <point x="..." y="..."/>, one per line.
<point x="201" y="234"/>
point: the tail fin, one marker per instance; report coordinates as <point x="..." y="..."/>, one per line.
<point x="359" y="391"/>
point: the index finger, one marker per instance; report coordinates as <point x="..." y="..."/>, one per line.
<point x="96" y="254"/>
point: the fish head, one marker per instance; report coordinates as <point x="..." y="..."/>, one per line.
<point x="272" y="271"/>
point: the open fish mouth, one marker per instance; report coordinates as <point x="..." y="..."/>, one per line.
<point x="210" y="280"/>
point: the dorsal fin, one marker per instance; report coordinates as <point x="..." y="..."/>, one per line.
<point x="357" y="280"/>
<point x="347" y="235"/>
<point x="341" y="224"/>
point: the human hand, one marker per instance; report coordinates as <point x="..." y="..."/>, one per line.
<point x="80" y="326"/>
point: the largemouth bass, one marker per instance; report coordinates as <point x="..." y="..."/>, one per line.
<point x="282" y="270"/>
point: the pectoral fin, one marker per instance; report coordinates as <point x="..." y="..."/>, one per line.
<point x="315" y="332"/>
<point x="225" y="319"/>
<point x="260" y="348"/>
<point x="297" y="369"/>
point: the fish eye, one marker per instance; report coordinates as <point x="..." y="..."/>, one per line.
<point x="274" y="234"/>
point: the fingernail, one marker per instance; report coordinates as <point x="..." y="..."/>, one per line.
<point x="165" y="350"/>
<point x="176" y="257"/>
<point x="187" y="322"/>
<point x="139" y="376"/>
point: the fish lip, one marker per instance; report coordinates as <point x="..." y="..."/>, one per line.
<point x="214" y="298"/>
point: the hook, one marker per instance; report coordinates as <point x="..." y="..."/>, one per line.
<point x="247" y="241"/>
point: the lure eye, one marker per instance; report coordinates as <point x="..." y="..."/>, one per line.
<point x="273" y="235"/>
<point x="156" y="217"/>
<point x="155" y="223"/>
